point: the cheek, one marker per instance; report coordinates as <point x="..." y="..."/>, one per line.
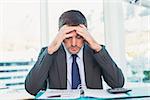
<point x="80" y="43"/>
<point x="67" y="42"/>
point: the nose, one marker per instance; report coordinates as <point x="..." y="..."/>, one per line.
<point x="73" y="41"/>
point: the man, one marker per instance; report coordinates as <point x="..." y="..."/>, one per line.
<point x="74" y="58"/>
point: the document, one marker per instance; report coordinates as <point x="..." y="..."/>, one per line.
<point x="75" y="94"/>
<point x="91" y="93"/>
<point x="59" y="94"/>
<point x="103" y="94"/>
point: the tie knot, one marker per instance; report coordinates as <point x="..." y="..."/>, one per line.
<point x="74" y="56"/>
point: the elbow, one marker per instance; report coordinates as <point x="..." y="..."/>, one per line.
<point x="30" y="89"/>
<point x="120" y="82"/>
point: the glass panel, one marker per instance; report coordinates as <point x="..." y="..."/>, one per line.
<point x="92" y="9"/>
<point x="20" y="39"/>
<point x="136" y="22"/>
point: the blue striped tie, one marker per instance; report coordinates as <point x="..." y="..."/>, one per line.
<point x="75" y="73"/>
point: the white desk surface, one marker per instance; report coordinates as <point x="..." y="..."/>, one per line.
<point x="12" y="94"/>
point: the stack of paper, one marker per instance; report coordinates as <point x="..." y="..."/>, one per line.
<point x="94" y="93"/>
<point x="75" y="94"/>
<point x="60" y="94"/>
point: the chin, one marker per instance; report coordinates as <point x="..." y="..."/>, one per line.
<point x="73" y="52"/>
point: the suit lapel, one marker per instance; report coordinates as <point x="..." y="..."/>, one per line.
<point x="62" y="67"/>
<point x="87" y="66"/>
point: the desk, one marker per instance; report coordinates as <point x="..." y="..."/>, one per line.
<point x="142" y="93"/>
<point x="12" y="94"/>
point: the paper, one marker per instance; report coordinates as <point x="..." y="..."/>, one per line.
<point x="94" y="93"/>
<point x="75" y="94"/>
<point x="60" y="94"/>
<point x="103" y="94"/>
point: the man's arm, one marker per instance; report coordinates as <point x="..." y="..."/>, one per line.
<point x="111" y="73"/>
<point x="36" y="78"/>
<point x="39" y="73"/>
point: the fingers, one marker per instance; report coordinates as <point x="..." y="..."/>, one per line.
<point x="66" y="29"/>
<point x="83" y="26"/>
<point x="65" y="32"/>
<point x="80" y="34"/>
<point x="81" y="30"/>
<point x="68" y="36"/>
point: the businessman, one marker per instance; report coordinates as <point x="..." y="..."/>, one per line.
<point x="74" y="58"/>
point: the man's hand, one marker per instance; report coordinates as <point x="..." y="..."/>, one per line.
<point x="82" y="31"/>
<point x="63" y="34"/>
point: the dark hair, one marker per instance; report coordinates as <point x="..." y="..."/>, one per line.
<point x="72" y="18"/>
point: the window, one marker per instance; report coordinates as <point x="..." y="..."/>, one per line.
<point x="137" y="29"/>
<point x="19" y="40"/>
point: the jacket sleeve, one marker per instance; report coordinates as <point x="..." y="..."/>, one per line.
<point x="112" y="75"/>
<point x="38" y="75"/>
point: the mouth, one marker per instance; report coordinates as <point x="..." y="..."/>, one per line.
<point x="74" y="48"/>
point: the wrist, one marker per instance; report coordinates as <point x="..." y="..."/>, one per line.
<point x="97" y="48"/>
<point x="50" y="50"/>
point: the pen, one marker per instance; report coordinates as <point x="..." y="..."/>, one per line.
<point x="81" y="92"/>
<point x="54" y="96"/>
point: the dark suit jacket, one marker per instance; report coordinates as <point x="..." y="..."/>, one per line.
<point x="53" y="69"/>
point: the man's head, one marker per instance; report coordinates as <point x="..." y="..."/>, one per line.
<point x="73" y="18"/>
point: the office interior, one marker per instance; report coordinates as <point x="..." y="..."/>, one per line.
<point x="26" y="26"/>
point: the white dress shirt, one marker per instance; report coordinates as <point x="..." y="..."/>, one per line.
<point x="80" y="65"/>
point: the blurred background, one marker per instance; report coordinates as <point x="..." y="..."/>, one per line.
<point x="28" y="25"/>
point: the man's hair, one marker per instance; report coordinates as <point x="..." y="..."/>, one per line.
<point x="72" y="18"/>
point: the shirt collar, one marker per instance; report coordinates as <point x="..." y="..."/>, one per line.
<point x="80" y="53"/>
